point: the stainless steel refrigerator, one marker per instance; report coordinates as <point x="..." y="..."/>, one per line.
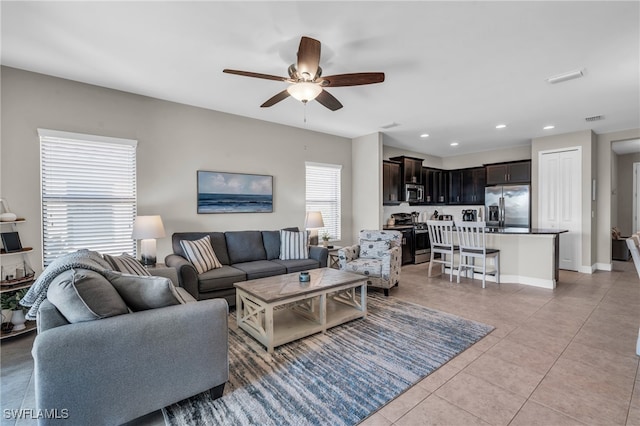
<point x="508" y="206"/>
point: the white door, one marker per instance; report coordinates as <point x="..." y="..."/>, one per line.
<point x="559" y="201"/>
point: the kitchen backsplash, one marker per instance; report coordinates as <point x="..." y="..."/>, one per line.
<point x="425" y="212"/>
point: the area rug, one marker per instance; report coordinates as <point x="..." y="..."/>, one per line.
<point x="338" y="378"/>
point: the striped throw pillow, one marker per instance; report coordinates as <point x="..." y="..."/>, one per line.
<point x="200" y="253"/>
<point x="127" y="264"/>
<point x="293" y="245"/>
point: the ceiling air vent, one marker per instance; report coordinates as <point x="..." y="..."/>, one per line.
<point x="594" y="118"/>
<point x="390" y="125"/>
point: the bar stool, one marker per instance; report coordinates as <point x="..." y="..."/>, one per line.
<point x="441" y="237"/>
<point x="471" y="237"/>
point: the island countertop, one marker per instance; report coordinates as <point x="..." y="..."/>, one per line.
<point x="531" y="231"/>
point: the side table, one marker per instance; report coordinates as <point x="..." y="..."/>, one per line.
<point x="334" y="261"/>
<point x="162" y="270"/>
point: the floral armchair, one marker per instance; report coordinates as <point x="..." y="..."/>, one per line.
<point x="378" y="256"/>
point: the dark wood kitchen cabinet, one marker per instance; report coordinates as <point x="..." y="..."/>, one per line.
<point x="473" y="183"/>
<point x="411" y="169"/>
<point x="455" y="194"/>
<point x="440" y="186"/>
<point x="408" y="247"/>
<point x="466" y="186"/>
<point x="427" y="179"/>
<point x="506" y="173"/>
<point x="391" y="183"/>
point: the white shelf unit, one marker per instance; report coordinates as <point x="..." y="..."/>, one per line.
<point x="15" y="284"/>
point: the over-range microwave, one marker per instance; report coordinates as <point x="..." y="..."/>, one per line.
<point x="413" y="193"/>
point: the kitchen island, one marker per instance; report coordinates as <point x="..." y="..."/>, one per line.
<point x="527" y="255"/>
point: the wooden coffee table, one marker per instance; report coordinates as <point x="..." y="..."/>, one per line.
<point x="280" y="309"/>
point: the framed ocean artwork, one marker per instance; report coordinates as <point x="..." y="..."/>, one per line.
<point x="220" y="192"/>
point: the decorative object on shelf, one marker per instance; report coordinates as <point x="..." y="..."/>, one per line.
<point x="313" y="221"/>
<point x="12" y="302"/>
<point x="11" y="242"/>
<point x="220" y="192"/>
<point x="7" y="304"/>
<point x="147" y="229"/>
<point x="18" y="320"/>
<point x="7" y="216"/>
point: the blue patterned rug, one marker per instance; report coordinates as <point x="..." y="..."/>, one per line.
<point x="338" y="378"/>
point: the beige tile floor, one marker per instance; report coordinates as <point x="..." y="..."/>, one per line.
<point x="557" y="357"/>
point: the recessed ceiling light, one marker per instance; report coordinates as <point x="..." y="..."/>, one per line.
<point x="501" y="126"/>
<point x="424" y="135"/>
<point x="548" y="127"/>
<point x="454" y="143"/>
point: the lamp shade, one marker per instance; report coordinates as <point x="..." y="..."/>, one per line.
<point x="313" y="220"/>
<point x="304" y="91"/>
<point x="146" y="227"/>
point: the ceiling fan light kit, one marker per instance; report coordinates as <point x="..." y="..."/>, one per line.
<point x="306" y="81"/>
<point x="304" y="91"/>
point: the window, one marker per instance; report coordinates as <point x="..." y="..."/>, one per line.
<point x="88" y="193"/>
<point x="323" y="194"/>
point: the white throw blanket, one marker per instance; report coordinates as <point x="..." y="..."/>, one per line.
<point x="84" y="259"/>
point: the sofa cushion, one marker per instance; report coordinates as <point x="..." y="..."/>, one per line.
<point x="294" y="245"/>
<point x="271" y="241"/>
<point x="245" y="246"/>
<point x="84" y="295"/>
<point x="297" y="265"/>
<point x="260" y="269"/>
<point x="142" y="293"/>
<point x="127" y="264"/>
<point x="373" y="249"/>
<point x="218" y="243"/>
<point x="219" y="279"/>
<point x="201" y="254"/>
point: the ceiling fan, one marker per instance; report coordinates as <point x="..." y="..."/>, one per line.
<point x="307" y="82"/>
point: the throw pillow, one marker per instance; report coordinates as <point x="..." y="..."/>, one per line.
<point x="84" y="295"/>
<point x="142" y="293"/>
<point x="127" y="264"/>
<point x="200" y="253"/>
<point x="373" y="249"/>
<point x="293" y="245"/>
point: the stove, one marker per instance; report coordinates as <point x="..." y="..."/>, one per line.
<point x="416" y="247"/>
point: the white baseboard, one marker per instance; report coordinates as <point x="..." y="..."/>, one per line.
<point x="604" y="266"/>
<point x="513" y="279"/>
<point x="587" y="269"/>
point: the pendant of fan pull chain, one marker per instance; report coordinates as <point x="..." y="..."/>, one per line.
<point x="306" y="82"/>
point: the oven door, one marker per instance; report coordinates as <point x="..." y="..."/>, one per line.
<point x="422" y="246"/>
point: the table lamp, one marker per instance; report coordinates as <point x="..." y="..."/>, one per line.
<point x="147" y="229"/>
<point x="313" y="221"/>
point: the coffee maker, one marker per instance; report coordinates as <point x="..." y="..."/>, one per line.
<point x="470" y="215"/>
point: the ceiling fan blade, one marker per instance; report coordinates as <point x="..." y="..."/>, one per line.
<point x="356" y="79"/>
<point x="308" y="58"/>
<point x="255" y="74"/>
<point x="275" y="99"/>
<point x="328" y="100"/>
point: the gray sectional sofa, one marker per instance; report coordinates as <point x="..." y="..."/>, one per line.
<point x="244" y="255"/>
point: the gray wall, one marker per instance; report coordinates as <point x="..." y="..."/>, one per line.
<point x="174" y="141"/>
<point x="624" y="192"/>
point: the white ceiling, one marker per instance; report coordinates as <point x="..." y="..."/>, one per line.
<point x="453" y="70"/>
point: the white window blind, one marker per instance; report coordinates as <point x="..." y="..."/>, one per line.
<point x="323" y="194"/>
<point x="88" y="193"/>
